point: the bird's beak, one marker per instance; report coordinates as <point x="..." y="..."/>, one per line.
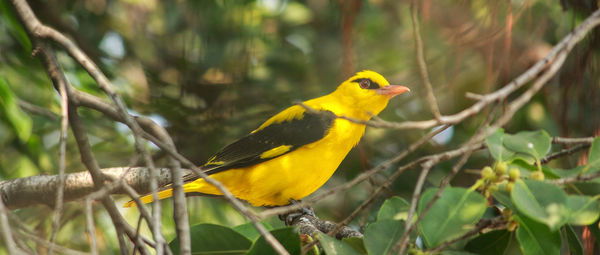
<point x="392" y="90"/>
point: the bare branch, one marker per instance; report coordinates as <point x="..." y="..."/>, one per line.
<point x="483" y="224"/>
<point x="89" y="222"/>
<point x="562" y="48"/>
<point x="401" y="244"/>
<point x="32" y="108"/>
<point x="579" y="178"/>
<point x="41" y="189"/>
<point x="416" y="195"/>
<point x="563" y="152"/>
<point x="236" y="203"/>
<point x="40" y="241"/>
<point x="7" y="235"/>
<point x="62" y="148"/>
<point x="433" y="105"/>
<point x="572" y="141"/>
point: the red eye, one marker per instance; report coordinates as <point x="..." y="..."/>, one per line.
<point x="365" y="84"/>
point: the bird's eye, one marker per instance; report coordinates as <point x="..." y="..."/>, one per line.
<point x="365" y="84"/>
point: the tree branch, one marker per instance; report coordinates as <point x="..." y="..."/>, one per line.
<point x="7" y="235"/>
<point x="420" y="55"/>
<point x="41" y="189"/>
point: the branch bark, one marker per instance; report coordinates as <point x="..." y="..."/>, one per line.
<point x="41" y="189"/>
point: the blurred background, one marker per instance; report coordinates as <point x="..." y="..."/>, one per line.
<point x="211" y="71"/>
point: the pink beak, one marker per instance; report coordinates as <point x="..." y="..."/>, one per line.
<point x="392" y="90"/>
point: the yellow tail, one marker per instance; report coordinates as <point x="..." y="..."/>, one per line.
<point x="196" y="186"/>
<point x="148" y="198"/>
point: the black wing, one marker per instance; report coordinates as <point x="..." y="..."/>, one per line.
<point x="250" y="150"/>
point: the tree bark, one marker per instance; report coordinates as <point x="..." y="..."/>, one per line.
<point x="41" y="189"/>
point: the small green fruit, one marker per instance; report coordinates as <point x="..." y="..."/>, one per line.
<point x="493" y="188"/>
<point x="487" y="172"/>
<point x="537" y="175"/>
<point x="509" y="187"/>
<point x="513" y="174"/>
<point x="500" y="168"/>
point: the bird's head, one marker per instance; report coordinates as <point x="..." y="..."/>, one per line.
<point x="368" y="91"/>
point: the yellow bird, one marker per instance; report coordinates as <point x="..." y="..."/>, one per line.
<point x="295" y="152"/>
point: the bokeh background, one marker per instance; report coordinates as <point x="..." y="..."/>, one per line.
<point x="211" y="71"/>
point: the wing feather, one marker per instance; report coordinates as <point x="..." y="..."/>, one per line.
<point x="282" y="134"/>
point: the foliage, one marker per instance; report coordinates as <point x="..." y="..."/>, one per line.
<point x="540" y="209"/>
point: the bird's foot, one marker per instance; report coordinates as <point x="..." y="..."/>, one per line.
<point x="290" y="217"/>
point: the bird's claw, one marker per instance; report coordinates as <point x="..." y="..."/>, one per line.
<point x="289" y="218"/>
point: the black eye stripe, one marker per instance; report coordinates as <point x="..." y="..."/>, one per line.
<point x="373" y="85"/>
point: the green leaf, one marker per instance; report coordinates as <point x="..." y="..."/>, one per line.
<point x="214" y="239"/>
<point x="523" y="166"/>
<point x="333" y="246"/>
<point x="490" y="213"/>
<point x="593" y="158"/>
<point x="20" y="121"/>
<point x="14" y="26"/>
<point x="490" y="243"/>
<point x="550" y="173"/>
<point x="556" y="173"/>
<point x="288" y="237"/>
<point x="533" y="143"/>
<point x="448" y="252"/>
<point x="575" y="247"/>
<point x="589" y="188"/>
<point x="536" y="238"/>
<point x="453" y="214"/>
<point x="495" y="143"/>
<point x="395" y="208"/>
<point x="541" y="201"/>
<point x="594" y="154"/>
<point x="583" y="210"/>
<point x="357" y="243"/>
<point x="249" y="231"/>
<point x="503" y="197"/>
<point x="381" y="235"/>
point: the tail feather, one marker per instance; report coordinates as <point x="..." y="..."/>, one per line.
<point x="148" y="198"/>
<point x="166" y="192"/>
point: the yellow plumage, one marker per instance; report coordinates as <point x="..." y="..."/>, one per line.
<point x="288" y="171"/>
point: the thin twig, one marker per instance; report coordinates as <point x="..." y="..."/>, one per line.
<point x="564" y="152"/>
<point x="401" y="244"/>
<point x="90" y="162"/>
<point x="237" y="204"/>
<point x="365" y="175"/>
<point x="62" y="150"/>
<point x="549" y="66"/>
<point x="32" y="108"/>
<point x="382" y="187"/>
<point x="566" y="43"/>
<point x="42" y="242"/>
<point x="416" y="195"/>
<point x="579" y="178"/>
<point x="89" y="221"/>
<point x="572" y="141"/>
<point x="499" y="220"/>
<point x="36" y="29"/>
<point x="7" y="235"/>
<point x="390" y="179"/>
<point x="179" y="211"/>
<point x="433" y="105"/>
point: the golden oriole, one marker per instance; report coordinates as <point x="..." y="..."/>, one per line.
<point x="295" y="152"/>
